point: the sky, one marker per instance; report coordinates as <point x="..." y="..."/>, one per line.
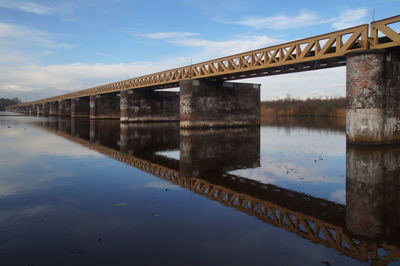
<point x="51" y="47"/>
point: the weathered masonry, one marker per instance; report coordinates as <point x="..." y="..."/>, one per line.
<point x="207" y="98"/>
<point x="373" y="97"/>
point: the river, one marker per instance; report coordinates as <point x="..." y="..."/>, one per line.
<point x="97" y="192"/>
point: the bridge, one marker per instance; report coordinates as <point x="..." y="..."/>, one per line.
<point x="371" y="54"/>
<point x="317" y="220"/>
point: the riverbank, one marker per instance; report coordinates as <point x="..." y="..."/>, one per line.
<point x="301" y="108"/>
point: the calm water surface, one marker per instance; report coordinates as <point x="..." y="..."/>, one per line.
<point x="80" y="192"/>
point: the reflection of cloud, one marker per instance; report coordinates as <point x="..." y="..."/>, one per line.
<point x="302" y="141"/>
<point x="170" y="154"/>
<point x="32" y="142"/>
<point x="15" y="184"/>
<point x="339" y="195"/>
<point x="282" y="172"/>
<point x="159" y="184"/>
<point x="25" y="212"/>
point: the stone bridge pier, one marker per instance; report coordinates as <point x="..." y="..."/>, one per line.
<point x="45" y="108"/>
<point x="105" y="106"/>
<point x="205" y="103"/>
<point x="53" y="108"/>
<point x="149" y="106"/>
<point x="31" y="109"/>
<point x="373" y="97"/>
<point x="38" y="108"/>
<point x="80" y="107"/>
<point x="64" y="107"/>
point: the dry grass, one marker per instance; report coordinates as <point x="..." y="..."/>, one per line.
<point x="310" y="107"/>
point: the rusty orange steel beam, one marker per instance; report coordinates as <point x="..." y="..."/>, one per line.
<point x="319" y="48"/>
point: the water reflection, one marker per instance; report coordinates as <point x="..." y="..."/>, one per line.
<point x="366" y="228"/>
<point x="372" y="188"/>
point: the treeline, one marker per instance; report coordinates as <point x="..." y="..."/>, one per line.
<point x="4" y="102"/>
<point x="310" y="107"/>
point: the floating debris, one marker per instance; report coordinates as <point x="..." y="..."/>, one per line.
<point x="121" y="204"/>
<point x="155" y="215"/>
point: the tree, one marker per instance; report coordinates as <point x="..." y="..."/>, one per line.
<point x="4" y="102"/>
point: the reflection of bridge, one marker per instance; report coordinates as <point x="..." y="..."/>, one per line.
<point x="314" y="219"/>
<point x="206" y="99"/>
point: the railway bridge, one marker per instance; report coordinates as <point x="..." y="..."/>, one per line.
<point x="207" y="98"/>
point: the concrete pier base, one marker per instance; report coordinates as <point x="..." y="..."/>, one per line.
<point x="53" y="108"/>
<point x="206" y="103"/>
<point x="38" y="108"/>
<point x="80" y="107"/>
<point x="373" y="97"/>
<point x="372" y="198"/>
<point x="45" y="108"/>
<point x="149" y="106"/>
<point x="64" y="108"/>
<point x="31" y="110"/>
<point x="105" y="106"/>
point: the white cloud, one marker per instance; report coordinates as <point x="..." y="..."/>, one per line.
<point x="169" y="35"/>
<point x="19" y="38"/>
<point x="27" y="6"/>
<point x="212" y="49"/>
<point x="349" y="18"/>
<point x="24" y="78"/>
<point x="304" y="18"/>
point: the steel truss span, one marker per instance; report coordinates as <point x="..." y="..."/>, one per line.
<point x="323" y="51"/>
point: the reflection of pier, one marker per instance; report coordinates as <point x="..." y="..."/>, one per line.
<point x="315" y="219"/>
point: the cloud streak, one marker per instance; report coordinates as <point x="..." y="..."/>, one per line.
<point x="27" y="6"/>
<point x="303" y="19"/>
<point x="169" y="35"/>
<point x="347" y="18"/>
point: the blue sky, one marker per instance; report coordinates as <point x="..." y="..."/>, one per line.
<point x="53" y="47"/>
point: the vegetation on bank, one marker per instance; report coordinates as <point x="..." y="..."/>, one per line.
<point x="4" y="102"/>
<point x="311" y="107"/>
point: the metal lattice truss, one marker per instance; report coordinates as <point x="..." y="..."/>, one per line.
<point x="305" y="226"/>
<point x="323" y="51"/>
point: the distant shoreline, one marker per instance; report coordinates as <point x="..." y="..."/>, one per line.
<point x="305" y="108"/>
